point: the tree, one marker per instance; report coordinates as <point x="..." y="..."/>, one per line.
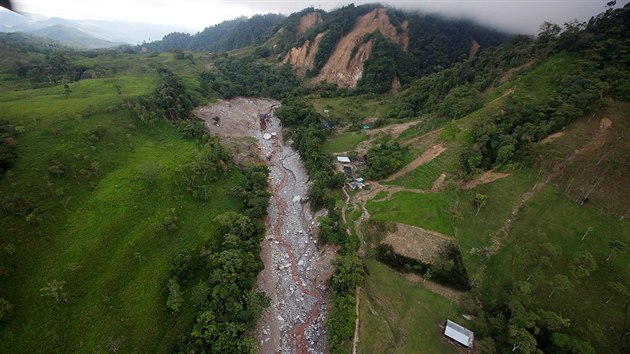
<point x="175" y="295"/>
<point x="66" y="90"/>
<point x="521" y="339"/>
<point x="560" y="282"/>
<point x="618" y="289"/>
<point x="199" y="294"/>
<point x="582" y="265"/>
<point x="614" y="248"/>
<point x="552" y="321"/>
<point x="55" y="290"/>
<point x="480" y="201"/>
<point x="6" y="309"/>
<point x="569" y="344"/>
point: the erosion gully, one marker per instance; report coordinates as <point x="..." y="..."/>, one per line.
<point x="295" y="269"/>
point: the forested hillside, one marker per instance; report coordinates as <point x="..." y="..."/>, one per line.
<point x="381" y="45"/>
<point x="225" y="36"/>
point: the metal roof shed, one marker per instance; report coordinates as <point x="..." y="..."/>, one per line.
<point x="459" y="334"/>
<point x="343" y="159"/>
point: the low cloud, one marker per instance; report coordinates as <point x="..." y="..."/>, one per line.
<point x="517" y="16"/>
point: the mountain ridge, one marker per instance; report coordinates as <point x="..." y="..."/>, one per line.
<point x="113" y="31"/>
<point x="73" y="37"/>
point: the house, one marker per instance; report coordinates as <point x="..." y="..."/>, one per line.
<point x="348" y="171"/>
<point x="365" y="127"/>
<point x="459" y="334"/>
<point x="343" y="159"/>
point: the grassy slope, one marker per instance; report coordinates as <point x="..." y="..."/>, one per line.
<point x="347" y="141"/>
<point x="401" y="317"/>
<point x="101" y="234"/>
<point x="599" y="171"/>
<point x="550" y="218"/>
<point x="351" y="108"/>
<point x="453" y="212"/>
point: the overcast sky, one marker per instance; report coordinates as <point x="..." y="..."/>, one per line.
<point x="522" y="16"/>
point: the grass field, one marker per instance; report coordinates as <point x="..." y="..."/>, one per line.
<point x="98" y="224"/>
<point x="398" y="316"/>
<point x="453" y="212"/>
<point x="347" y="141"/>
<point x="352" y="109"/>
<point x="424" y="176"/>
<point x="550" y="218"/>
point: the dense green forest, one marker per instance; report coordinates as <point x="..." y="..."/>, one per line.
<point x="434" y="42"/>
<point x="248" y="77"/>
<point x="225" y="36"/>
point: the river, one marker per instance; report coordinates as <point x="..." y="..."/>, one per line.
<point x="296" y="270"/>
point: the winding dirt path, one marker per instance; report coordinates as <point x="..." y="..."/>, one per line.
<point x="394" y="129"/>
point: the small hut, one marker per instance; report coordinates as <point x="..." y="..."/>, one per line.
<point x="343" y="159"/>
<point x="459" y="334"/>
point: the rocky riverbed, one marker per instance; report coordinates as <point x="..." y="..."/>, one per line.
<point x="294" y="266"/>
<point x="296" y="269"/>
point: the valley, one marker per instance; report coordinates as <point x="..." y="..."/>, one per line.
<point x="340" y="181"/>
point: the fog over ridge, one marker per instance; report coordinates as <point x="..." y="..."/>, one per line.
<point x="516" y="16"/>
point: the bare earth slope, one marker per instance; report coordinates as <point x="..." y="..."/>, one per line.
<point x="308" y="21"/>
<point x="345" y="65"/>
<point x="346" y="70"/>
<point x="302" y="58"/>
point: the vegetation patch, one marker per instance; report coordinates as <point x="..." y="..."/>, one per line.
<point x="425" y="175"/>
<point x="555" y="248"/>
<point x="347" y="141"/>
<point x="400" y="316"/>
<point x="595" y="160"/>
<point x="431" y="211"/>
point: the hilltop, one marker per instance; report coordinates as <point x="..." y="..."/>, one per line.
<point x="112" y="31"/>
<point x="372" y="47"/>
<point x="72" y="37"/>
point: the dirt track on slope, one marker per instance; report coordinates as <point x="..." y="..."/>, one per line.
<point x="486" y="177"/>
<point x="426" y="157"/>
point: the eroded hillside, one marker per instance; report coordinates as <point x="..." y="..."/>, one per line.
<point x="345" y="66"/>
